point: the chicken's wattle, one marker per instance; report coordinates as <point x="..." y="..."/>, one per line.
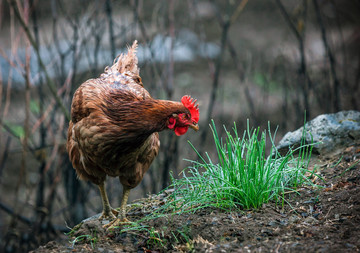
<point x="181" y="130"/>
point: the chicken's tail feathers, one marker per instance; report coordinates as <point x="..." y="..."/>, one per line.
<point x="128" y="62"/>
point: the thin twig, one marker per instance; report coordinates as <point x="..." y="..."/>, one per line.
<point x="171" y="142"/>
<point x="10" y="211"/>
<point x="215" y="84"/>
<point x="304" y="81"/>
<point x="108" y="10"/>
<point x="336" y="88"/>
<point x="4" y="156"/>
<point x="289" y="20"/>
<point x="155" y="71"/>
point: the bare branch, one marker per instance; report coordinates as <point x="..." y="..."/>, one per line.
<point x="225" y="25"/>
<point x="336" y="88"/>
<point x="108" y="9"/>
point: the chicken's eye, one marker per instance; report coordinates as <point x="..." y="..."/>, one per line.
<point x="185" y="116"/>
<point x="137" y="79"/>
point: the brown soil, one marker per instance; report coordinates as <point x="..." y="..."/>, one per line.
<point x="317" y="220"/>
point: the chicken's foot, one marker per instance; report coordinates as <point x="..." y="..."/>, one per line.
<point x="121" y="220"/>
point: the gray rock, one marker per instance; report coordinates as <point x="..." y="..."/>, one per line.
<point x="328" y="132"/>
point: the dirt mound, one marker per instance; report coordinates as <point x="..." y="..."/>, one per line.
<point x="318" y="220"/>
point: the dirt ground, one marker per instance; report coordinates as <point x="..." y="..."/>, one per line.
<point x="317" y="220"/>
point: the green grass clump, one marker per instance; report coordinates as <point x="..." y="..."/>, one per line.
<point x="243" y="177"/>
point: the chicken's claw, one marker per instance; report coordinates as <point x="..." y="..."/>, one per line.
<point x="117" y="223"/>
<point x="109" y="215"/>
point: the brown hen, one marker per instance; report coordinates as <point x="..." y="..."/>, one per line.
<point x="114" y="128"/>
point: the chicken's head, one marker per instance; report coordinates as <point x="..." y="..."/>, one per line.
<point x="182" y="121"/>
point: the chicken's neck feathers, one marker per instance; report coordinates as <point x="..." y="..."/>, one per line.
<point x="147" y="116"/>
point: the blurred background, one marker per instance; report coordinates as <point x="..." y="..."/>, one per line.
<point x="263" y="60"/>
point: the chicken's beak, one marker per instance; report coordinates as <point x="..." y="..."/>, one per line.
<point x="195" y="127"/>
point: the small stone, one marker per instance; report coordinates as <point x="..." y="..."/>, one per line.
<point x="161" y="196"/>
<point x="350" y="246"/>
<point x="303" y="214"/>
<point x="267" y="232"/>
<point x="316" y="215"/>
<point x="283" y="222"/>
<point x="273" y="223"/>
<point x="293" y="219"/>
<point x="231" y="218"/>
<point x="311" y="220"/>
<point x="105" y="222"/>
<point x="214" y="220"/>
<point x="226" y="246"/>
<point x="169" y="191"/>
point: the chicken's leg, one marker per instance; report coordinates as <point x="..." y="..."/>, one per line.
<point x="121" y="220"/>
<point x="108" y="212"/>
<point x="125" y="197"/>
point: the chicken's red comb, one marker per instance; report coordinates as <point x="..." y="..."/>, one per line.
<point x="191" y="105"/>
